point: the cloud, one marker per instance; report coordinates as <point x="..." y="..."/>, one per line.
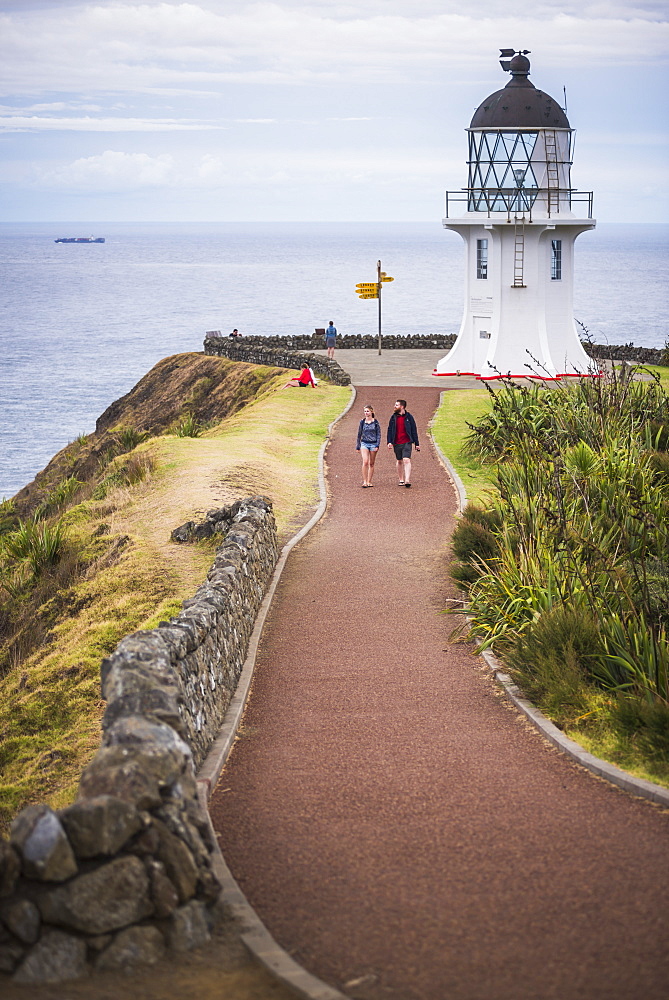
<point x="114" y="171"/>
<point x="179" y="47"/>
<point x="50" y="106"/>
<point x="22" y="123"/>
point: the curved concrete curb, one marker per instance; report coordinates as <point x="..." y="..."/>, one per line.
<point x="450" y="469"/>
<point x="255" y="935"/>
<point x="253" y="932"/>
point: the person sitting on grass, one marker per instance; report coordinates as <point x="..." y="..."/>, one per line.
<point x="304" y="379"/>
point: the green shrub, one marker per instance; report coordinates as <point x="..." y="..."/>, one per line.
<point x="550" y="660"/>
<point x="38" y="544"/>
<point x="188" y="426"/>
<point x="132" y="471"/>
<point x="659" y="463"/>
<point x="584" y="507"/>
<point x="474" y="543"/>
<point x="646" y="723"/>
<point x="8" y="516"/>
<point x="129" y="437"/>
<point x="57" y="498"/>
<point x="656" y="434"/>
<point x="473" y="535"/>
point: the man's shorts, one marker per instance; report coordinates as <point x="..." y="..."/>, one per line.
<point x="402" y="451"/>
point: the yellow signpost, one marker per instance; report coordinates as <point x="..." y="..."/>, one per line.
<point x="367" y="290"/>
<point x="372" y="290"/>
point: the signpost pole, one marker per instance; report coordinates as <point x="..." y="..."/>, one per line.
<point x="378" y="278"/>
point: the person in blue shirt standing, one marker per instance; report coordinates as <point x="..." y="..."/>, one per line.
<point x="368" y="444"/>
<point x="330" y="338"/>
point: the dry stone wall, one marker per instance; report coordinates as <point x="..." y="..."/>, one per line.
<point x="267" y="351"/>
<point x="125" y="872"/>
<point x="628" y="352"/>
<point x="294" y="350"/>
<point x="356" y="341"/>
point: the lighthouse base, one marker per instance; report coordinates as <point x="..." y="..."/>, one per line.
<point x="518" y="319"/>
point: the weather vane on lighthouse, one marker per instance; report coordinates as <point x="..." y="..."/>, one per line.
<point x="519" y="228"/>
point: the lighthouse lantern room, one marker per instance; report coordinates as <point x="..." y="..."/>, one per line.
<point x="519" y="228"/>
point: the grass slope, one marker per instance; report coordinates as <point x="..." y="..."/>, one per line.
<point x="461" y="407"/>
<point x="123" y="572"/>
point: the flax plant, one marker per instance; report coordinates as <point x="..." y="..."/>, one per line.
<point x="584" y="523"/>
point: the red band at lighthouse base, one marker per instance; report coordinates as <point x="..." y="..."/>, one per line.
<point x="538" y="378"/>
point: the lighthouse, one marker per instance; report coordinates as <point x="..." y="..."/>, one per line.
<point x="519" y="222"/>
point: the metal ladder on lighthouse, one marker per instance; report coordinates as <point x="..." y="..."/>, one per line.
<point x="519" y="253"/>
<point x="552" y="172"/>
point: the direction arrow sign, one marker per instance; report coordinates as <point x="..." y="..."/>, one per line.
<point x="363" y="285"/>
<point x="368" y="295"/>
<point x="387" y="279"/>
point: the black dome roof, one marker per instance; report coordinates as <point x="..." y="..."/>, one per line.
<point x="519" y="104"/>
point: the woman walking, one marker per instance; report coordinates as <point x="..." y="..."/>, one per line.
<point x="368" y="443"/>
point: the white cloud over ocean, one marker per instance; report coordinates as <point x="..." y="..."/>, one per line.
<point x="114" y="171"/>
<point x="21" y="123"/>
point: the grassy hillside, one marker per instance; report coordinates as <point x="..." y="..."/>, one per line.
<point x="85" y="550"/>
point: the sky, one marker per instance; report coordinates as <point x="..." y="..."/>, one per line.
<point x="313" y="111"/>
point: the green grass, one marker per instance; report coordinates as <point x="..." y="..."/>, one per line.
<point x="460" y="407"/>
<point x="662" y="372"/>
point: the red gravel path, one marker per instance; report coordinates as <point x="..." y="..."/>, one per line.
<point x="389" y="817"/>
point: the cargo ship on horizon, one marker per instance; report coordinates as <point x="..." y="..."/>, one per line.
<point x="80" y="239"/>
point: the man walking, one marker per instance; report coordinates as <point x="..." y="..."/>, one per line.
<point x="402" y="434"/>
<point x="330" y="338"/>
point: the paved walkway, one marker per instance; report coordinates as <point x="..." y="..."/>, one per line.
<point x="398" y="828"/>
<point x="394" y="368"/>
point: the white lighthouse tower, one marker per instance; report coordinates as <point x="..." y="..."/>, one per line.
<point x="519" y="229"/>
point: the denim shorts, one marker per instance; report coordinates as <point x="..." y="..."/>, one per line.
<point x="368" y="446"/>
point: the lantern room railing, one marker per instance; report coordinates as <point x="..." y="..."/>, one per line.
<point x="545" y="202"/>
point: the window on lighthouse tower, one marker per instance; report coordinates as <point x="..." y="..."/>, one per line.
<point x="556" y="260"/>
<point x="481" y="258"/>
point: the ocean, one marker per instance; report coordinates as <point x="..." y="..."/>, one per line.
<point x="81" y="324"/>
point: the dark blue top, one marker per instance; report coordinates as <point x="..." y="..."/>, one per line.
<point x="369" y="433"/>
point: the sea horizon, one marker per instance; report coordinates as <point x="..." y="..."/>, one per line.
<point x="80" y="325"/>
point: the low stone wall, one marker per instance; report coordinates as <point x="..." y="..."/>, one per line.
<point x="316" y="342"/>
<point x="628" y="352"/>
<point x="250" y="348"/>
<point x="257" y="351"/>
<point x="126" y="872"/>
